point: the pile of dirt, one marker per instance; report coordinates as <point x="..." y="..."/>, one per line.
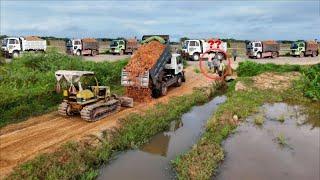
<point x="89" y="40"/>
<point x="274" y="81"/>
<point x="142" y="60"/>
<point x="33" y="38"/>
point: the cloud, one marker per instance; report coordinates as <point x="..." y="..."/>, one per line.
<point x="244" y="20"/>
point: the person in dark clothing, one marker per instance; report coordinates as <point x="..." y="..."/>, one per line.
<point x="234" y="54"/>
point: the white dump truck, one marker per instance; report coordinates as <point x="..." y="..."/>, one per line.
<point x="194" y="48"/>
<point x="14" y="46"/>
<point x="86" y="46"/>
<point x="262" y="49"/>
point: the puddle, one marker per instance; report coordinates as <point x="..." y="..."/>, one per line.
<point x="152" y="161"/>
<point x="254" y="152"/>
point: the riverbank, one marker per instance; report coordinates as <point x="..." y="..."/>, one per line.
<point x="244" y="97"/>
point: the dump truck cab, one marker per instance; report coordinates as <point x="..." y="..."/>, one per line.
<point x="254" y="48"/>
<point x="118" y="46"/>
<point x="194" y="49"/>
<point x="11" y="46"/>
<point x="74" y="46"/>
<point x="297" y="48"/>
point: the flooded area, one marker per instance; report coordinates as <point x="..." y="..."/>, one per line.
<point x="285" y="146"/>
<point x="152" y="161"/>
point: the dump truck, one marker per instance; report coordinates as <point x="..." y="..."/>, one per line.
<point x="124" y="46"/>
<point x="262" y="49"/>
<point x="165" y="72"/>
<point x="86" y="46"/>
<point x="304" y="48"/>
<point x="14" y="46"/>
<point x="195" y="48"/>
<point x="83" y="95"/>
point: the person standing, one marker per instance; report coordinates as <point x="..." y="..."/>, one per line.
<point x="234" y="54"/>
<point x="221" y="68"/>
<point x="210" y="59"/>
<point x="216" y="63"/>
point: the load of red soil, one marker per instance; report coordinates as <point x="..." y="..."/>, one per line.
<point x="142" y="60"/>
<point x="89" y="40"/>
<point x="33" y="38"/>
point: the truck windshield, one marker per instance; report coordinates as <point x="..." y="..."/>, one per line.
<point x="114" y="43"/>
<point x="294" y="46"/>
<point x="185" y="44"/>
<point x="4" y="42"/>
<point x="69" y="43"/>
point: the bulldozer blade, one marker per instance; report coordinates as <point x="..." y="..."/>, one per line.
<point x="126" y="101"/>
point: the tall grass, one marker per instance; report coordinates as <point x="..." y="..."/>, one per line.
<point x="27" y="84"/>
<point x="249" y="68"/>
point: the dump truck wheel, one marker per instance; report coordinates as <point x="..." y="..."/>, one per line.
<point x="15" y="54"/>
<point x="274" y="55"/>
<point x="156" y="93"/>
<point x="196" y="57"/>
<point x="179" y="81"/>
<point x="78" y="53"/>
<point x="164" y="89"/>
<point x="259" y="55"/>
<point x="301" y="55"/>
<point x="314" y="54"/>
<point x="121" y="52"/>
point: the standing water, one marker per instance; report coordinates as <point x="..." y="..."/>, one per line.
<point x="152" y="160"/>
<point x="286" y="146"/>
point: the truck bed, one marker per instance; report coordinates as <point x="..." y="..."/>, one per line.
<point x="270" y="46"/>
<point x="34" y="45"/>
<point x="160" y="64"/>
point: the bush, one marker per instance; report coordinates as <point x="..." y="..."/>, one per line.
<point x="27" y="84"/>
<point x="249" y="68"/>
<point x="310" y="82"/>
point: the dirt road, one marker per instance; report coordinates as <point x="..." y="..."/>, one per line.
<point x="23" y="141"/>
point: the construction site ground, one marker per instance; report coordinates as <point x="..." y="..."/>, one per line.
<point x="23" y="141"/>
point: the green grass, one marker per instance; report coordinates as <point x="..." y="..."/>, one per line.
<point x="27" y="84"/>
<point x="81" y="160"/>
<point x="281" y="119"/>
<point x="259" y="120"/>
<point x="196" y="70"/>
<point x="281" y="139"/>
<point x="249" y="68"/>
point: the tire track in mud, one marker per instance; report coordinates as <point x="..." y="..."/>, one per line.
<point x="23" y="141"/>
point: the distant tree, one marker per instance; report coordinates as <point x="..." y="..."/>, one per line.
<point x="183" y="39"/>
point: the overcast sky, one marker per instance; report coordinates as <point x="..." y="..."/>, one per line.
<point x="201" y="19"/>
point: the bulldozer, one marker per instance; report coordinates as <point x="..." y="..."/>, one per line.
<point x="83" y="95"/>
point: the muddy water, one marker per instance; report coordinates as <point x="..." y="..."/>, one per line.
<point x="152" y="161"/>
<point x="254" y="152"/>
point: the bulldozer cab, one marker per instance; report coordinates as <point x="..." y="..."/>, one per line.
<point x="80" y="86"/>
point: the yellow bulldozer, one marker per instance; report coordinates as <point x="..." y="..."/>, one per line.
<point x="83" y="95"/>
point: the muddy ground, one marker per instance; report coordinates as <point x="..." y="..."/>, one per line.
<point x="25" y="140"/>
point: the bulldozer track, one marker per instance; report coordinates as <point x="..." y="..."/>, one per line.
<point x="62" y="109"/>
<point x="88" y="112"/>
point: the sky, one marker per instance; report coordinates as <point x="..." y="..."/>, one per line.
<point x="279" y="20"/>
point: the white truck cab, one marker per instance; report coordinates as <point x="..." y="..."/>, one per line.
<point x="195" y="48"/>
<point x="254" y="49"/>
<point x="74" y="47"/>
<point x="13" y="46"/>
<point x="175" y="64"/>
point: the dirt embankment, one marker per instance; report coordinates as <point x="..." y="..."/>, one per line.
<point x="23" y="141"/>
